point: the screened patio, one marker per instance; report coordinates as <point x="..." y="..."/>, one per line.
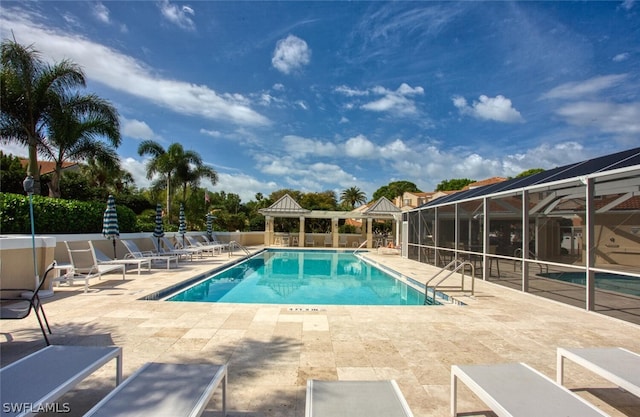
<point x="571" y="234"/>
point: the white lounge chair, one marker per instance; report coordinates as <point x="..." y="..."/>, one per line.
<point x="44" y="376"/>
<point x="516" y="389"/>
<point x="328" y="240"/>
<point x="136" y="253"/>
<point x="211" y="248"/>
<point x="308" y="240"/>
<point x="168" y="248"/>
<point x="101" y="258"/>
<point x="213" y="240"/>
<point x="165" y="389"/>
<point x="85" y="268"/>
<point x="342" y="241"/>
<point x="355" y="399"/>
<point x="618" y="365"/>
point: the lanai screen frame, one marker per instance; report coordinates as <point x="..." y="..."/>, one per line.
<point x="445" y="228"/>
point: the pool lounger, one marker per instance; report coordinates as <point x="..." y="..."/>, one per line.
<point x="516" y="389"/>
<point x="355" y="399"/>
<point x="39" y="379"/>
<point x="165" y="389"/>
<point x="618" y="365"/>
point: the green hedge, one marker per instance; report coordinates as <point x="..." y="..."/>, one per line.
<point x="54" y="215"/>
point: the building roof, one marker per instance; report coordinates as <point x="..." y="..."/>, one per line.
<point x="575" y="173"/>
<point x="47" y="167"/>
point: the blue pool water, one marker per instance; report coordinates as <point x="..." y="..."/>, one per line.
<point x="604" y="281"/>
<point x="303" y="277"/>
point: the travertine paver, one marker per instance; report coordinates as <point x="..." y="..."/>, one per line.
<point x="272" y="350"/>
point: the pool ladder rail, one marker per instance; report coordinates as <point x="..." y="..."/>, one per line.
<point x="234" y="244"/>
<point x="359" y="247"/>
<point x="456" y="265"/>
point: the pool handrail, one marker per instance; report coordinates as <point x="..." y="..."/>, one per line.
<point x="360" y="247"/>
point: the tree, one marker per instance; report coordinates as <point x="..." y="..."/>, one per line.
<point x="11" y="174"/>
<point x="454" y="184"/>
<point x="353" y="196"/>
<point x="395" y="189"/>
<point x="74" y="126"/>
<point x="191" y="170"/>
<point x="528" y="172"/>
<point x="28" y="87"/>
<point x="172" y="164"/>
<point x="113" y="178"/>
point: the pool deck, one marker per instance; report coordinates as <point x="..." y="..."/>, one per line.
<point x="272" y="350"/>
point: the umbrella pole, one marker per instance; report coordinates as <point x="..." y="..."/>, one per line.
<point x="114" y="249"/>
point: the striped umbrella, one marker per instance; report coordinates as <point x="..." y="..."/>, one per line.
<point x="110" y="228"/>
<point x="182" y="228"/>
<point x="158" y="231"/>
<point x="209" y="225"/>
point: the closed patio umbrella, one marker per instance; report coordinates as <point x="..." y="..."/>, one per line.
<point x="110" y="223"/>
<point x="182" y="228"/>
<point x="209" y="225"/>
<point x="158" y="231"/>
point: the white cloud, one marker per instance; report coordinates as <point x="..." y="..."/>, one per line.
<point x="101" y="12"/>
<point x="360" y="147"/>
<point x="621" y="57"/>
<point x="212" y="133"/>
<point x="620" y="119"/>
<point x="350" y="92"/>
<point x="395" y="102"/>
<point x="497" y="108"/>
<point x="244" y="185"/>
<point x="579" y="89"/>
<point x="291" y="54"/>
<point x="178" y="15"/>
<point x="301" y="147"/>
<point x="136" y="129"/>
<point x="138" y="171"/>
<point x="302" y="105"/>
<point x="126" y="74"/>
<point x="343" y="120"/>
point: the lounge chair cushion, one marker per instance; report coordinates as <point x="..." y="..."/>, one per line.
<point x="355" y="399"/>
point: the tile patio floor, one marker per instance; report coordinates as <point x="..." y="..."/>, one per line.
<point x="272" y="350"/>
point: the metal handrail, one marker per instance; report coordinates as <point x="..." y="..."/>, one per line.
<point x="457" y="265"/>
<point x="359" y="247"/>
<point x="239" y="246"/>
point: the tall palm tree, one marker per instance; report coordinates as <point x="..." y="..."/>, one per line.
<point x="191" y="172"/>
<point x="28" y="87"/>
<point x="114" y="178"/>
<point x="170" y="163"/>
<point x="76" y="122"/>
<point x="353" y="196"/>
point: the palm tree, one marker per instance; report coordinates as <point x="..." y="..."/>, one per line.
<point x="28" y="87"/>
<point x="353" y="196"/>
<point x="113" y="178"/>
<point x="192" y="171"/>
<point x="76" y="122"/>
<point x="174" y="165"/>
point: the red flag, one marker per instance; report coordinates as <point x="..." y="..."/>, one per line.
<point x="206" y="196"/>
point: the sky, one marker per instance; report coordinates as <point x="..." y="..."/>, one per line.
<point x="317" y="96"/>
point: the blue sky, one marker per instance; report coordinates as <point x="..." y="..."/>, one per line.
<point x="319" y="96"/>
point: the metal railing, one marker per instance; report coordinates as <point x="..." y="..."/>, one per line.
<point x="359" y="247"/>
<point x="456" y="266"/>
<point x="233" y="244"/>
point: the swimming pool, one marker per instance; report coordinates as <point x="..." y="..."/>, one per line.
<point x="604" y="281"/>
<point x="303" y="277"/>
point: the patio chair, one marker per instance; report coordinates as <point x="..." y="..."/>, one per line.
<point x="516" y="389"/>
<point x="135" y="253"/>
<point x="618" y="365"/>
<point x="328" y="240"/>
<point x="15" y="306"/>
<point x="85" y="268"/>
<point x="101" y="258"/>
<point x="165" y="389"/>
<point x="210" y="248"/>
<point x="342" y="241"/>
<point x="308" y="240"/>
<point x="39" y="379"/>
<point x="355" y="399"/>
<point x="214" y="241"/>
<point x="166" y="247"/>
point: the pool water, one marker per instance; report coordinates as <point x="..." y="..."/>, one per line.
<point x="303" y="277"/>
<point x="604" y="281"/>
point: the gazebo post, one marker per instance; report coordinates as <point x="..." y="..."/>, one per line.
<point x="369" y="232"/>
<point x="334" y="232"/>
<point x="301" y="233"/>
<point x="268" y="222"/>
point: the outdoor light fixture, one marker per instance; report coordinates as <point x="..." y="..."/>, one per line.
<point x="27" y="184"/>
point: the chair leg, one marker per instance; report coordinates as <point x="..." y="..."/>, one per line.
<point x="35" y="310"/>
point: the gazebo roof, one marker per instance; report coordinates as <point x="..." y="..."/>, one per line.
<point x="285" y="205"/>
